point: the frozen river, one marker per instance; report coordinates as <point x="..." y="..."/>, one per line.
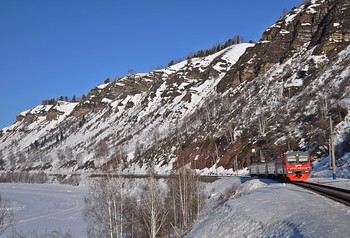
<point x="42" y="208"/>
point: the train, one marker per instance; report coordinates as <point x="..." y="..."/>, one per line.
<point x="292" y="165"/>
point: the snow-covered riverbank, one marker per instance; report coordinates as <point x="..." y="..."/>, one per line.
<point x="42" y="208"/>
<point x="257" y="208"/>
<point x="264" y="208"/>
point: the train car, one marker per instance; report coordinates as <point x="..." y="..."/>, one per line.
<point x="253" y="169"/>
<point x="297" y="165"/>
<point x="292" y="165"/>
<point x="262" y="168"/>
<point x="258" y="169"/>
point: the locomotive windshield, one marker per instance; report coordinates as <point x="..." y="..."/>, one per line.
<point x="297" y="158"/>
<point x="303" y="159"/>
<point x="292" y="159"/>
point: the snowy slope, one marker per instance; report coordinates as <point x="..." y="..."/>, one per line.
<point x="37" y="124"/>
<point x="241" y="102"/>
<point x="263" y="208"/>
<point x="142" y="123"/>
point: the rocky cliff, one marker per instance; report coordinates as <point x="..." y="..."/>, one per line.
<point x="323" y="25"/>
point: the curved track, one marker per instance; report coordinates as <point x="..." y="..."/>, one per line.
<point x="337" y="194"/>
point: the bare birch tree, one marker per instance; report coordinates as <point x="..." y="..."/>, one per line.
<point x="96" y="210"/>
<point x="324" y="105"/>
<point x="153" y="210"/>
<point x="7" y="216"/>
<point x="262" y="124"/>
<point x="105" y="208"/>
<point x="108" y="195"/>
<point x="186" y="196"/>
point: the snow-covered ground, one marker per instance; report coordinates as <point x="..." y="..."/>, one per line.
<point x="236" y="206"/>
<point x="258" y="208"/>
<point x="42" y="208"/>
<point x="264" y="208"/>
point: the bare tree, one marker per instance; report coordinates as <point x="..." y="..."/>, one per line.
<point x="186" y="199"/>
<point x="101" y="209"/>
<point x="79" y="158"/>
<point x="21" y="158"/>
<point x="138" y="149"/>
<point x="262" y="124"/>
<point x="113" y="211"/>
<point x="285" y="11"/>
<point x="7" y="216"/>
<point x="12" y="158"/>
<point x="46" y="234"/>
<point x="324" y="105"/>
<point x="105" y="206"/>
<point x="230" y="131"/>
<point x="61" y="156"/>
<point x="101" y="152"/>
<point x="153" y="210"/>
<point x="2" y="161"/>
<point x="132" y="219"/>
<point x="156" y="137"/>
<point x="69" y="153"/>
<point x="95" y="211"/>
<point x="262" y="120"/>
<point x="101" y="149"/>
<point x="216" y="158"/>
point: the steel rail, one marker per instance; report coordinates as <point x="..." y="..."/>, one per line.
<point x="338" y="194"/>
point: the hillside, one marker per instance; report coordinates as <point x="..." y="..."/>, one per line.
<point x="266" y="208"/>
<point x="214" y="113"/>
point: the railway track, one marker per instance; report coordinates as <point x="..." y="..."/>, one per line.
<point x="337" y="194"/>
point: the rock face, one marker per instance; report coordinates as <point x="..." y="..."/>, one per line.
<point x="321" y="24"/>
<point x="221" y="111"/>
<point x="53" y="114"/>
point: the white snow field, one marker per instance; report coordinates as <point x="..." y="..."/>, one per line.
<point x="264" y="208"/>
<point x="259" y="208"/>
<point x="41" y="208"/>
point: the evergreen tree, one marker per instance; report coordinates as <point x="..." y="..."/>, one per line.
<point x="171" y="63"/>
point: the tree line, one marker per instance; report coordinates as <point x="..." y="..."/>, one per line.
<point x="117" y="207"/>
<point x="53" y="101"/>
<point x="214" y="49"/>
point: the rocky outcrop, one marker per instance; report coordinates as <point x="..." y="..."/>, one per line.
<point x="53" y="114"/>
<point x="324" y="24"/>
<point x="29" y="118"/>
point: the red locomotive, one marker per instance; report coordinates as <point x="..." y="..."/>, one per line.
<point x="292" y="165"/>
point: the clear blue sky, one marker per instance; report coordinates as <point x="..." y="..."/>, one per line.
<point x="50" y="48"/>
